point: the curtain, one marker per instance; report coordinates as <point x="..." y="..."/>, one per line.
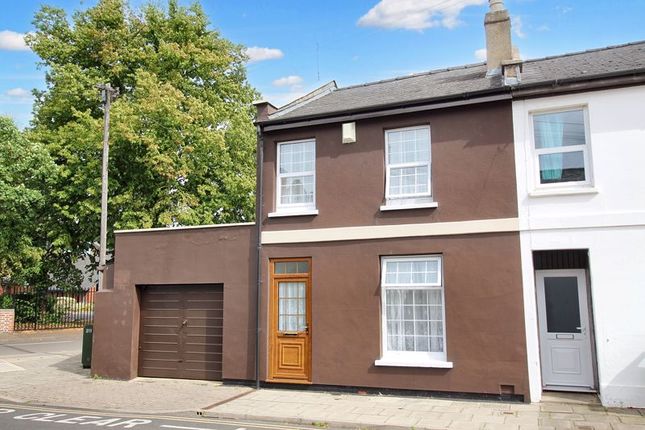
<point x="549" y="133"/>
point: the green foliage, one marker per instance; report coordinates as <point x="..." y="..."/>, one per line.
<point x="6" y="302"/>
<point x="182" y="142"/>
<point x="26" y="310"/>
<point x="40" y="307"/>
<point x="26" y="174"/>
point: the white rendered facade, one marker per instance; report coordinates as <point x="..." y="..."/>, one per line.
<point x="604" y="214"/>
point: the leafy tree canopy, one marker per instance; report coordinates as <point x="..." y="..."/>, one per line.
<point x="182" y="142"/>
<point x="26" y="171"/>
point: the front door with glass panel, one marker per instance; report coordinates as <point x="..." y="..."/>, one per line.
<point x="290" y="321"/>
<point x="565" y="336"/>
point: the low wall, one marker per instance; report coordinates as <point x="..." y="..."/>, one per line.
<point x="7" y="317"/>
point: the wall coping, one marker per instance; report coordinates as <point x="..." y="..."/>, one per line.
<point x="189" y="227"/>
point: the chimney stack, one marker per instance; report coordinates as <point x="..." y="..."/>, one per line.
<point x="498" y="37"/>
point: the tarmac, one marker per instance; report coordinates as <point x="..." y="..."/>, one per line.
<point x="44" y="369"/>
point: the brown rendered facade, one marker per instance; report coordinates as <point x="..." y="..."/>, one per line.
<point x="181" y="257"/>
<point x="473" y="179"/>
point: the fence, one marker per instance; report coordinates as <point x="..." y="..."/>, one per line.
<point x="50" y="309"/>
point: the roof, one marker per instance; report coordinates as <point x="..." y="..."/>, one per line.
<point x="466" y="82"/>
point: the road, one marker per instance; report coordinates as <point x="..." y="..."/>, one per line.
<point x="50" y="342"/>
<point x="14" y="417"/>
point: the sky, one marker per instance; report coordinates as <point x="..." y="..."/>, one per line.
<point x="296" y="46"/>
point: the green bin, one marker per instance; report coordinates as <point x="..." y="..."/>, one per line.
<point x="86" y="356"/>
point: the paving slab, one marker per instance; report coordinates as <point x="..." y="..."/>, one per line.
<point x="343" y="410"/>
<point x="45" y="369"/>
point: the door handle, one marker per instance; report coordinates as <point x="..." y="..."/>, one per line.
<point x="184" y="323"/>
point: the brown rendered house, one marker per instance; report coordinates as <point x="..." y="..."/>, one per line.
<point x="386" y="252"/>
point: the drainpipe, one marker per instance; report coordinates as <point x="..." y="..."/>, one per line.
<point x="258" y="224"/>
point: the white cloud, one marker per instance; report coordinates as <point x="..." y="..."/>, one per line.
<point x="516" y="25"/>
<point x="19" y="93"/>
<point x="12" y="41"/>
<point x="480" y="54"/>
<point x="416" y="14"/>
<point x="288" y="81"/>
<point x="255" y="54"/>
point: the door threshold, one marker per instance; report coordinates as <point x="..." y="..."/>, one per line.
<point x="569" y="389"/>
<point x="580" y="398"/>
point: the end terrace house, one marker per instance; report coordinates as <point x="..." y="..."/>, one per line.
<point x="387" y="251"/>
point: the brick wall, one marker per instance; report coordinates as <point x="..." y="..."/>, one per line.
<point x="6" y="320"/>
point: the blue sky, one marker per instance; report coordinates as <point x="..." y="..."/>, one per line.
<point x="298" y="45"/>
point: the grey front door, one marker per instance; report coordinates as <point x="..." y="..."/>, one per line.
<point x="565" y="335"/>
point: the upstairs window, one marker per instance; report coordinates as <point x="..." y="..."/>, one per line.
<point x="296" y="176"/>
<point x="407" y="159"/>
<point x="561" y="148"/>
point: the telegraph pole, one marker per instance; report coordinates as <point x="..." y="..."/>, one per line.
<point x="107" y="94"/>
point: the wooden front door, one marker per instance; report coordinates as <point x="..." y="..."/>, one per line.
<point x="290" y="321"/>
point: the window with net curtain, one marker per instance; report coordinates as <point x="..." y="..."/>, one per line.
<point x="561" y="147"/>
<point x="413" y="308"/>
<point x="296" y="175"/>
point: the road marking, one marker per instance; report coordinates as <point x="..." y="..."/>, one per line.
<point x="36" y="343"/>
<point x="206" y="421"/>
<point x="48" y="417"/>
<point x="192" y="428"/>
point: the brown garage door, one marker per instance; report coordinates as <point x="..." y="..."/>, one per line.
<point x="181" y="331"/>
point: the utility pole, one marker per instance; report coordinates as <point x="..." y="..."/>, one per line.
<point x="107" y="94"/>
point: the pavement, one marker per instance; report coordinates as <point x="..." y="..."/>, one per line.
<point x="43" y="368"/>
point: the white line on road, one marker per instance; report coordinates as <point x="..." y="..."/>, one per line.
<point x="36" y="343"/>
<point x="192" y="428"/>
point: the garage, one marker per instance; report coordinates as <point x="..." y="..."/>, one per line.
<point x="181" y="331"/>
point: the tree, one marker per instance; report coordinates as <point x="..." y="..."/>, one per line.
<point x="26" y="171"/>
<point x="182" y="141"/>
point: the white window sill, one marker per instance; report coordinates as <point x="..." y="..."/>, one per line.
<point x="302" y="212"/>
<point x="397" y="362"/>
<point x="563" y="192"/>
<point x="392" y="207"/>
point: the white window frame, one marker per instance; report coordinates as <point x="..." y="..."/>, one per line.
<point x="412" y="358"/>
<point x="585" y="149"/>
<point x="292" y="209"/>
<point x="412" y="200"/>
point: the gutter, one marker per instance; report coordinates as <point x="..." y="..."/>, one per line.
<point x="558" y="86"/>
<point x="258" y="223"/>
<point x="466" y="100"/>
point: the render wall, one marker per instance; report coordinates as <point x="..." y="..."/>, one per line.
<point x="608" y="220"/>
<point x="484" y="315"/>
<point x="473" y="169"/>
<point x="208" y="255"/>
<point x="474" y="228"/>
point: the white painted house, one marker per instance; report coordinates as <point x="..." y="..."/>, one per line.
<point x="580" y="164"/>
